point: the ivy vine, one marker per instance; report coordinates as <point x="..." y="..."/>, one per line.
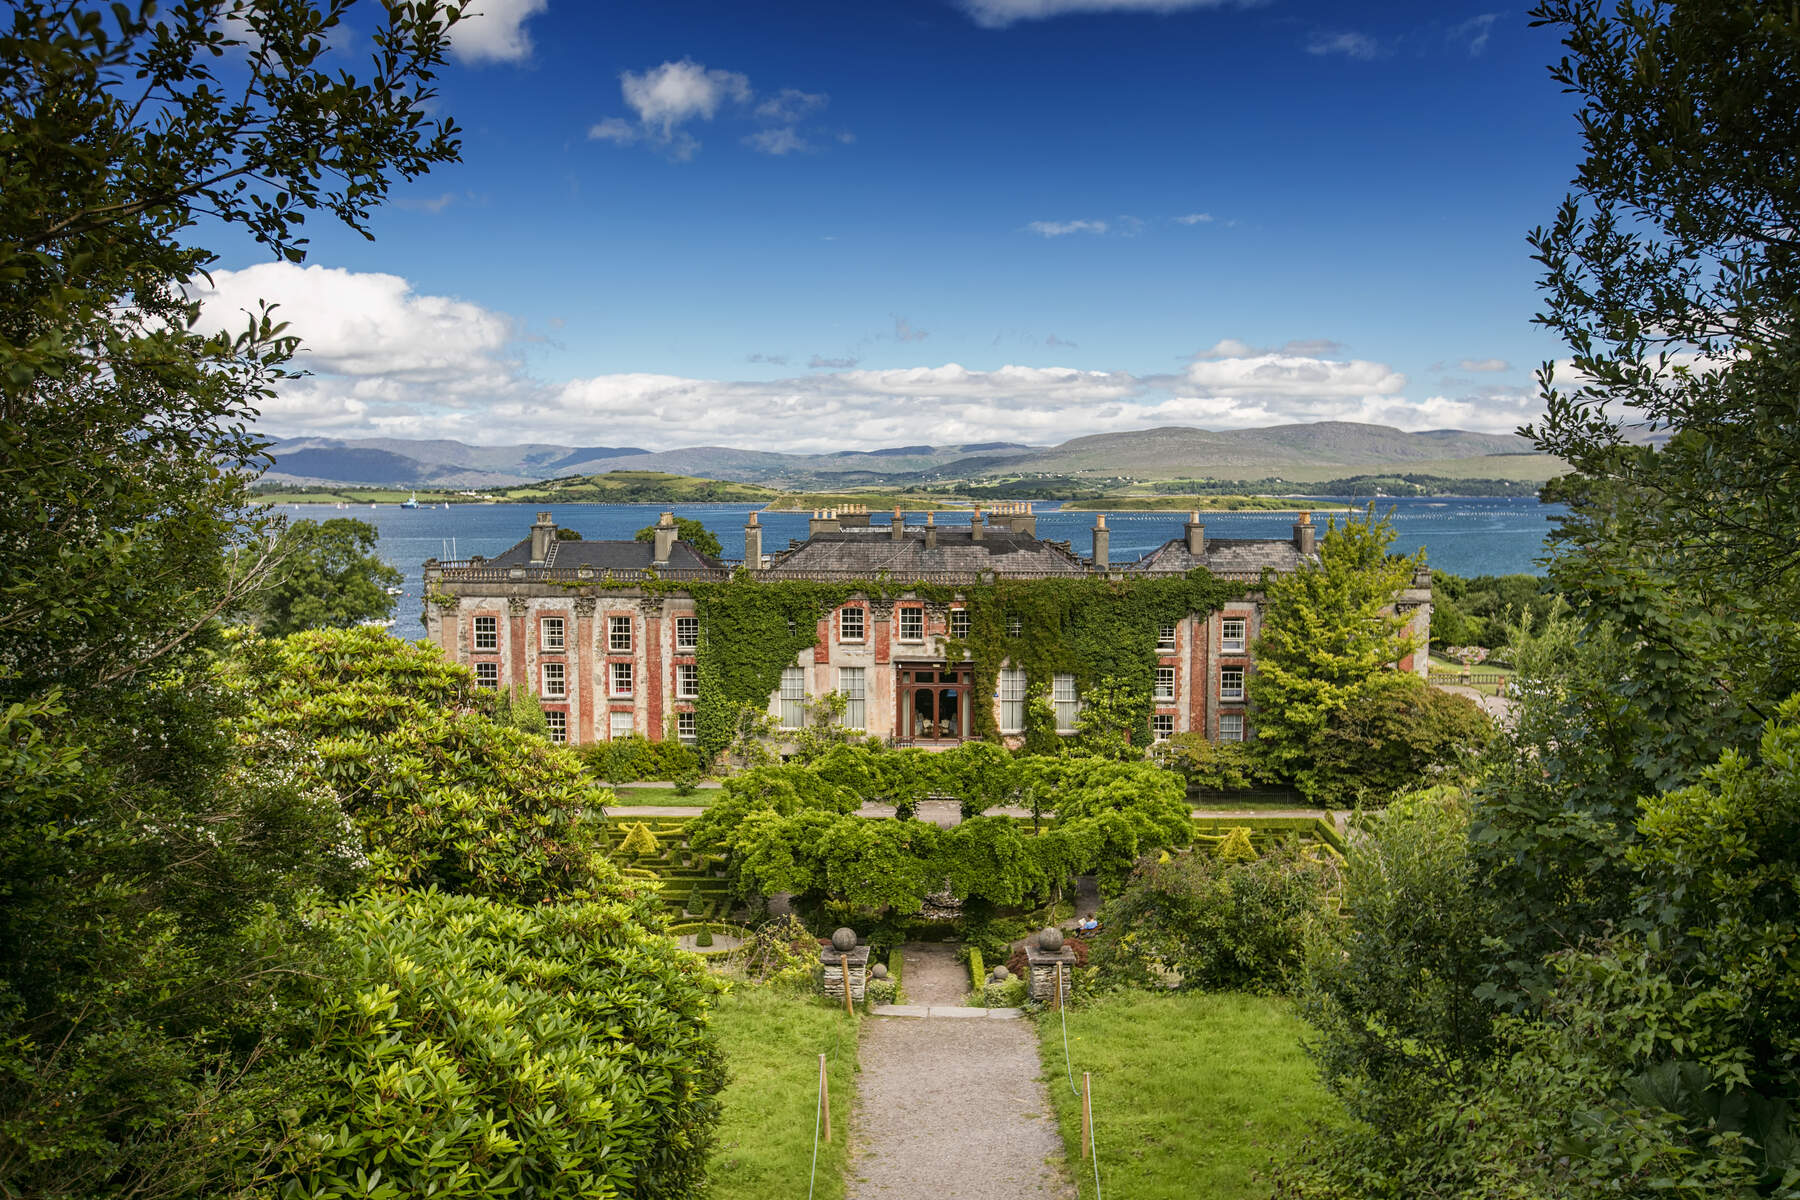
<point x="1088" y="627"/>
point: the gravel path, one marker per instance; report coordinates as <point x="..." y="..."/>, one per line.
<point x="952" y="1110"/>
<point x="932" y="975"/>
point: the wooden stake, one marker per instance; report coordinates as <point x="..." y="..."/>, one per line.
<point x="825" y="1095"/>
<point x="848" y="1009"/>
<point x="1056" y="1002"/>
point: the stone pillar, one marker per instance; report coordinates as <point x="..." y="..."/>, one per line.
<point x="1102" y="543"/>
<point x="1196" y="535"/>
<point x="1043" y="968"/>
<point x="836" y="962"/>
<point x="665" y="539"/>
<point x="752" y="544"/>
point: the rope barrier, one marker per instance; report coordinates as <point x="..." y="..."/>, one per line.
<point x="1062" y="1009"/>
<point x="818" y="1111"/>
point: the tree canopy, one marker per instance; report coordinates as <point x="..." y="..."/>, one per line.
<point x="326" y="575"/>
<point x="694" y="533"/>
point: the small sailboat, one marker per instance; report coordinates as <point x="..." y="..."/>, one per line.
<point x="411" y="501"/>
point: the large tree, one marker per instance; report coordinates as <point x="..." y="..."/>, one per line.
<point x="326" y="575"/>
<point x="146" y="883"/>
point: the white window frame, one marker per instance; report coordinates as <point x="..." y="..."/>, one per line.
<point x="793" y="698"/>
<point x="861" y="616"/>
<point x="1162" y="726"/>
<point x="687" y="727"/>
<point x="1066" y="700"/>
<point x="555" y="680"/>
<point x="1165" y="685"/>
<point x="852" y="682"/>
<point x="551" y="633"/>
<point x="620" y="725"/>
<point x="687" y="633"/>
<point x="487" y="676"/>
<point x="1165" y="638"/>
<point x="1230" y="643"/>
<point x="618" y="635"/>
<point x="1231" y="727"/>
<point x="558" y="723"/>
<point x="1227" y="689"/>
<point x="1015" y="627"/>
<point x="687" y="681"/>
<point x="620" y="673"/>
<point x="911" y="612"/>
<point x="489" y="638"/>
<point x="1012" y="699"/>
<point x="959" y="622"/>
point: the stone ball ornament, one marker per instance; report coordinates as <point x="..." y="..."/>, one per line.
<point x="879" y="970"/>
<point x="1051" y="940"/>
<point x="1002" y="974"/>
<point x="844" y="939"/>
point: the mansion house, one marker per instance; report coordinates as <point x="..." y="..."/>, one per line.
<point x="608" y="657"/>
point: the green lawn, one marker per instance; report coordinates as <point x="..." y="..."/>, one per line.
<point x="628" y="796"/>
<point x="1194" y="1095"/>
<point x="772" y="1043"/>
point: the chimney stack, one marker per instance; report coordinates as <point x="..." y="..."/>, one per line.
<point x="897" y="526"/>
<point x="1196" y="535"/>
<point x="824" y="520"/>
<point x="855" y="516"/>
<point x="752" y="543"/>
<point x="665" y="538"/>
<point x="1024" y="520"/>
<point x="975" y="525"/>
<point x="931" y="531"/>
<point x="1102" y="543"/>
<point x="1304" y="533"/>
<point x="543" y="536"/>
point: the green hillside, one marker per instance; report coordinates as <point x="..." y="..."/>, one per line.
<point x="638" y="487"/>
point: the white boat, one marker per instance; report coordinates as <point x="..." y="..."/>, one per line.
<point x="411" y="501"/>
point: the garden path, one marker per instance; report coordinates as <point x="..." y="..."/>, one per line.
<point x="953" y="1110"/>
<point x="932" y="975"/>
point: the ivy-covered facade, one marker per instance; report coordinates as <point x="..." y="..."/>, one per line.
<point x="932" y="634"/>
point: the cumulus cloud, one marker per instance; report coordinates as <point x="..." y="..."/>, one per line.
<point x="1350" y="45"/>
<point x="997" y="14"/>
<point x="668" y="98"/>
<point x="1052" y="229"/>
<point x="494" y="31"/>
<point x="1485" y="364"/>
<point x="389" y="360"/>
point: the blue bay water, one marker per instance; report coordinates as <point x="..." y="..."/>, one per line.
<point x="1477" y="536"/>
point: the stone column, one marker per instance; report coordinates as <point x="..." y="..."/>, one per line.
<point x="1043" y="968"/>
<point x="836" y="962"/>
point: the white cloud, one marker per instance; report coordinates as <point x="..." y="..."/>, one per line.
<point x="997" y="14"/>
<point x="1052" y="229"/>
<point x="1195" y="219"/>
<point x="904" y="331"/>
<point x="1350" y="45"/>
<point x="676" y="92"/>
<point x="370" y="325"/>
<point x="388" y="360"/>
<point x="777" y="141"/>
<point x="791" y="105"/>
<point x="1474" y="32"/>
<point x="1485" y="364"/>
<point x="494" y="31"/>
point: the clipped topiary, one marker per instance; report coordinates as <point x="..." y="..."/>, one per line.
<point x="1237" y="846"/>
<point x="639" y="841"/>
<point x="704" y="937"/>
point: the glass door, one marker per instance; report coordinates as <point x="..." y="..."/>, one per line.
<point x="934" y="704"/>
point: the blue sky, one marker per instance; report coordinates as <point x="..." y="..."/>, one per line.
<point x="814" y="225"/>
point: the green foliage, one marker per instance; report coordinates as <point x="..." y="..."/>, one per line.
<point x="1392" y="990"/>
<point x="639" y="841"/>
<point x="517" y="708"/>
<point x="1210" y="765"/>
<point x="687" y="529"/>
<point x="1236" y="847"/>
<point x="1481" y="610"/>
<point x="636" y="757"/>
<point x="326" y="575"/>
<point x="781" y="953"/>
<point x="561" y="1049"/>
<point x="1008" y="993"/>
<point x="704" y="937"/>
<point x="1329" y="639"/>
<point x="1400" y="734"/>
<point x="1215" y="923"/>
<point x="977" y="968"/>
<point x="441" y="795"/>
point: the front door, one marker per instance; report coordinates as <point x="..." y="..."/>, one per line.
<point x="934" y="704"/>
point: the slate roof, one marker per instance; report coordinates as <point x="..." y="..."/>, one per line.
<point x="603" y="556"/>
<point x="1222" y="556"/>
<point x="874" y="551"/>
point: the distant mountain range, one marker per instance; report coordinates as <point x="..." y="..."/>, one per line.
<point x="1295" y="452"/>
